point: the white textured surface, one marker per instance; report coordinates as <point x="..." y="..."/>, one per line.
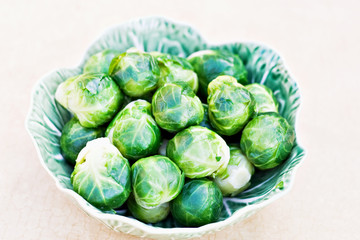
<point x="319" y="41"/>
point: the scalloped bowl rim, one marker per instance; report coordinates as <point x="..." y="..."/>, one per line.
<point x="152" y="230"/>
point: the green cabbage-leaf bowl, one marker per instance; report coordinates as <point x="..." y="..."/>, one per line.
<point x="47" y="118"/>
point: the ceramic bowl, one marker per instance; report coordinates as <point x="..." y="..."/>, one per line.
<point x="47" y="118"/>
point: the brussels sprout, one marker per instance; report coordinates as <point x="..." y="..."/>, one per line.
<point x="134" y="131"/>
<point x="199" y="152"/>
<point x="209" y="64"/>
<point x="137" y="73"/>
<point x="206" y="121"/>
<point x="176" y="108"/>
<point x="100" y="62"/>
<point x="230" y="105"/>
<point x="267" y="140"/>
<point x="238" y="173"/>
<point x="94" y="99"/>
<point x="200" y="202"/>
<point x="155" y="180"/>
<point x="152" y="215"/>
<point x="74" y="138"/>
<point x="101" y="175"/>
<point x="176" y="70"/>
<point x="265" y="100"/>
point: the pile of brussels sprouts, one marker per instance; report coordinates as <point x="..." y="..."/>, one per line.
<point x="141" y="135"/>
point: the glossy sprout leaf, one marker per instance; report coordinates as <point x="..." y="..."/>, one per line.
<point x="100" y="62"/>
<point x="236" y="177"/>
<point x="137" y="73"/>
<point x="199" y="152"/>
<point x="156" y="180"/>
<point x="94" y="99"/>
<point x="267" y="140"/>
<point x="74" y="138"/>
<point x="265" y="100"/>
<point x="231" y="106"/>
<point x="199" y="203"/>
<point x="209" y="64"/>
<point x="134" y="131"/>
<point x="101" y="175"/>
<point x="176" y="108"/>
<point x="176" y="70"/>
<point x="148" y="215"/>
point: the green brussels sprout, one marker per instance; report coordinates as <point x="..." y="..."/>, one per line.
<point x="199" y="152"/>
<point x="176" y="108"/>
<point x="238" y="173"/>
<point x="101" y="175"/>
<point x="134" y="131"/>
<point x="100" y="62"/>
<point x="231" y="106"/>
<point x="137" y="73"/>
<point x="265" y="100"/>
<point x="267" y="140"/>
<point x="156" y="180"/>
<point x="200" y="202"/>
<point x="74" y="138"/>
<point x="94" y="99"/>
<point x="209" y="64"/>
<point x="148" y="215"/>
<point x="206" y="121"/>
<point x="177" y="70"/>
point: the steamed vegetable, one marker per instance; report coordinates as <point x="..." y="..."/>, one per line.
<point x="137" y="73"/>
<point x="265" y="100"/>
<point x="236" y="177"/>
<point x="231" y="106"/>
<point x="199" y="203"/>
<point x="155" y="180"/>
<point x="199" y="152"/>
<point x="176" y="70"/>
<point x="209" y="64"/>
<point x="134" y="131"/>
<point x="148" y="215"/>
<point x="101" y="175"/>
<point x="100" y="62"/>
<point x="176" y="108"/>
<point x="267" y="140"/>
<point x="94" y="99"/>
